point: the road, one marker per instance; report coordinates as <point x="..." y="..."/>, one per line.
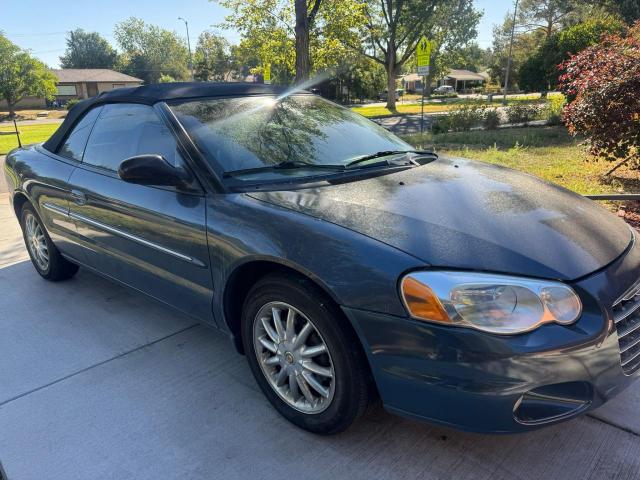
<point x="99" y="382"/>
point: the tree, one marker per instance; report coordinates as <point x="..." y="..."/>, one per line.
<point x="602" y="84"/>
<point x="545" y="15"/>
<point x="150" y="51"/>
<point x="540" y="71"/>
<point x="87" y="50"/>
<point x="213" y="58"/>
<point x="21" y="75"/>
<point x="471" y="57"/>
<point x="393" y="28"/>
<point x="282" y="19"/>
<point x="628" y="9"/>
<point x="305" y="18"/>
<point x="267" y="29"/>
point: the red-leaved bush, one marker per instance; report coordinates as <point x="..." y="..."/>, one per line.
<point x="602" y="85"/>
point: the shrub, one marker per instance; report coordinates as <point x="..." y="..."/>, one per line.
<point x="553" y="110"/>
<point x="522" y="113"/>
<point x="491" y="119"/>
<point x="441" y="124"/>
<point x="466" y="117"/>
<point x="71" y="103"/>
<point x="602" y="84"/>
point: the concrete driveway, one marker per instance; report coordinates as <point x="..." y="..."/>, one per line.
<point x="98" y="382"/>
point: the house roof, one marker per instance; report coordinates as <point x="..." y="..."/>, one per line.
<point x="412" y="77"/>
<point x="464" y="75"/>
<point x="74" y="75"/>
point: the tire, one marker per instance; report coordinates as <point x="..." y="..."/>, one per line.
<point x="347" y="389"/>
<point x="46" y="258"/>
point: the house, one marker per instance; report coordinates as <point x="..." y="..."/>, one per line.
<point x="412" y="83"/>
<point x="79" y="83"/>
<point x="83" y="83"/>
<point x="462" y="80"/>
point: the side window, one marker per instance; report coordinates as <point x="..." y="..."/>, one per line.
<point x="73" y="146"/>
<point x="125" y="130"/>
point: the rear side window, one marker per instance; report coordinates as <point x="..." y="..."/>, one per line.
<point x="73" y="146"/>
<point x="126" y="130"/>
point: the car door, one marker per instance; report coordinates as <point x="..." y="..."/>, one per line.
<point x="151" y="238"/>
<point x="49" y="186"/>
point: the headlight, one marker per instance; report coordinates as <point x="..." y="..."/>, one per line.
<point x="491" y="303"/>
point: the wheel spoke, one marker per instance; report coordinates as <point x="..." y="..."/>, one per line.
<point x="315" y="368"/>
<point x="293" y="387"/>
<point x="281" y="377"/>
<point x="268" y="345"/>
<point x="291" y="317"/>
<point x="303" y="335"/>
<point x="271" y="361"/>
<point x="314" y="351"/>
<point x="269" y="329"/>
<point x="278" y="323"/>
<point x="306" y="391"/>
<point x="315" y="384"/>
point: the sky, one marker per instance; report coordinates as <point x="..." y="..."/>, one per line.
<point x="40" y="26"/>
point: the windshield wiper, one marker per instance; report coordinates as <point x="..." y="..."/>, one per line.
<point x="388" y="153"/>
<point x="285" y="165"/>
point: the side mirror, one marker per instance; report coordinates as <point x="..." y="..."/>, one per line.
<point x="151" y="169"/>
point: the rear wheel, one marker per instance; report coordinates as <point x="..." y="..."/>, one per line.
<point x="44" y="255"/>
<point x="305" y="360"/>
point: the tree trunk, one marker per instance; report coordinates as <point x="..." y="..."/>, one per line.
<point x="303" y="65"/>
<point x="391" y="76"/>
<point x="12" y="109"/>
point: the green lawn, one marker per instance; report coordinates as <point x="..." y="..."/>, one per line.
<point x="549" y="152"/>
<point x="402" y="108"/>
<point x="413" y="107"/>
<point x="28" y="134"/>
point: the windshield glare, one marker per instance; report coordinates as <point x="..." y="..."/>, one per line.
<point x="252" y="132"/>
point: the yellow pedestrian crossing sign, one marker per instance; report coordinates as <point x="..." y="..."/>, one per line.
<point x="423" y="54"/>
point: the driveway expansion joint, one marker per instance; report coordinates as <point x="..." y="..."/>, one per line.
<point x="103" y="362"/>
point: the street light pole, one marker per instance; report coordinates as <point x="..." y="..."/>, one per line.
<point x="506" y="77"/>
<point x="186" y="24"/>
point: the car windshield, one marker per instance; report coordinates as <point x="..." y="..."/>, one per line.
<point x="304" y="133"/>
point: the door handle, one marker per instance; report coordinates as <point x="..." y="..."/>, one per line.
<point x="79" y="198"/>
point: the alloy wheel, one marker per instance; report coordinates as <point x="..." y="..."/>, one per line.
<point x="36" y="242"/>
<point x="294" y="357"/>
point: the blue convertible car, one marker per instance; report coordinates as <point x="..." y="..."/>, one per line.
<point x="344" y="264"/>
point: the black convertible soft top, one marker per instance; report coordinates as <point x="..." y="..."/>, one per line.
<point x="150" y="94"/>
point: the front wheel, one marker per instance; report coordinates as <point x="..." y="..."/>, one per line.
<point x="305" y="359"/>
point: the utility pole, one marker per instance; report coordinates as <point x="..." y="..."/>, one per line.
<point x="186" y="24"/>
<point x="506" y="77"/>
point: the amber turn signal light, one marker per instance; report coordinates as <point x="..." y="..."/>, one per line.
<point x="422" y="302"/>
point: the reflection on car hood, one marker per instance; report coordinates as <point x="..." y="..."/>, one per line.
<point x="462" y="214"/>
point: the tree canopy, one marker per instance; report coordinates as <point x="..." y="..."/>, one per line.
<point x="149" y="51"/>
<point x="213" y="58"/>
<point x="21" y="75"/>
<point x="87" y="50"/>
<point x="541" y="70"/>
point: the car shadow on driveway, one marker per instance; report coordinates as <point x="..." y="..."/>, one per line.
<point x="97" y="381"/>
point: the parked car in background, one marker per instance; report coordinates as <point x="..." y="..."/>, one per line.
<point x="444" y="90"/>
<point x="383" y="96"/>
<point x="344" y="264"/>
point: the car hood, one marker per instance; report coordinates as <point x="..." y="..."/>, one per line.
<point x="458" y="213"/>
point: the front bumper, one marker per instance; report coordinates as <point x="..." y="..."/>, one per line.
<point x="502" y="384"/>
